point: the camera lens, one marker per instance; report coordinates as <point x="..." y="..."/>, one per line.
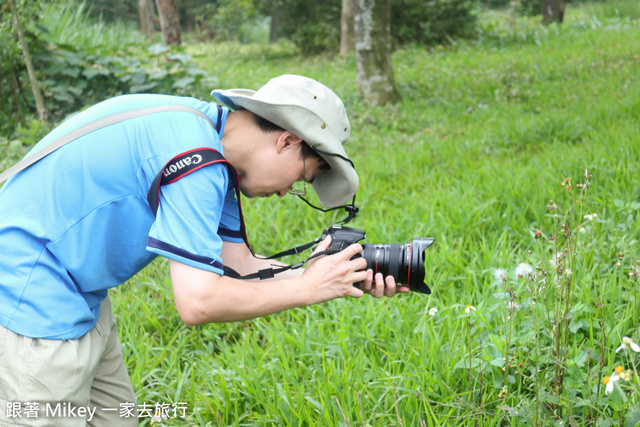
<point x="404" y="262"/>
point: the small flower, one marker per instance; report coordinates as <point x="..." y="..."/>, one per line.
<point x="590" y="217"/>
<point x="512" y="305"/>
<point x="503" y="390"/>
<point x="433" y="311"/>
<point x="628" y="343"/>
<point x="556" y="259"/>
<point x="469" y="309"/>
<point x="500" y="274"/>
<point x="523" y="269"/>
<point x="609" y="382"/>
<point x="626" y="375"/>
<point x="159" y="416"/>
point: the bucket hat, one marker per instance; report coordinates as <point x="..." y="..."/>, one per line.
<point x="313" y="112"/>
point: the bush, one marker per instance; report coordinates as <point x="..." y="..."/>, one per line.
<point x="432" y="22"/>
<point x="314" y="27"/>
<point x="73" y="78"/>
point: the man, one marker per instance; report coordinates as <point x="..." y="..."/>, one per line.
<point x="79" y="222"/>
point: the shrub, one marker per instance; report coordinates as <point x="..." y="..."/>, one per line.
<point x="432" y="21"/>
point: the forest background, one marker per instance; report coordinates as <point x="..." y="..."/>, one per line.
<point x="514" y="144"/>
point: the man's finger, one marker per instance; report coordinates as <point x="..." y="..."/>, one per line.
<point x="351" y="250"/>
<point x="323" y="245"/>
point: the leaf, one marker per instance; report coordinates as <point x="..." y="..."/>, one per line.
<point x="497" y="362"/>
<point x="158" y="48"/>
<point x="158" y="75"/>
<point x="575" y="326"/>
<point x="633" y="420"/>
<point x="183" y="82"/>
<point x="314" y="402"/>
<point x="195" y="72"/>
<point x="464" y="363"/>
<point x="90" y="73"/>
<point x="142" y="88"/>
<point x="181" y="57"/>
<point x="580" y="359"/>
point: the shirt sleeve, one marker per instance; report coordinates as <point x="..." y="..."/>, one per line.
<point x="229" y="229"/>
<point x="192" y="214"/>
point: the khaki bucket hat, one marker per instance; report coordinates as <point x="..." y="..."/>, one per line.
<point x="313" y="112"/>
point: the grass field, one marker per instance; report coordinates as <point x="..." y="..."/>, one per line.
<point x="521" y="149"/>
<point x="485" y="137"/>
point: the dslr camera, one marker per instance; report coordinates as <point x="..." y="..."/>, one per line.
<point x="405" y="262"/>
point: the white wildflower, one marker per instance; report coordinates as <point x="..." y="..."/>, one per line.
<point x="433" y="311"/>
<point x="500" y="274"/>
<point x="626" y="375"/>
<point x="523" y="269"/>
<point x="469" y="309"/>
<point x="556" y="259"/>
<point x="628" y="343"/>
<point x="609" y="382"/>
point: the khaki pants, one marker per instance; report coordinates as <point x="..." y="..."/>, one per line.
<point x="66" y="383"/>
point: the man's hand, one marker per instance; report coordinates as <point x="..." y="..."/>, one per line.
<point x="337" y="274"/>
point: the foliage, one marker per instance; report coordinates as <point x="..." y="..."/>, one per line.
<point x="530" y="7"/>
<point x="75" y="23"/>
<point x="15" y="94"/>
<point x="229" y="20"/>
<point x="432" y="22"/>
<point x="106" y="61"/>
<point x="74" y="78"/>
<point x="313" y="27"/>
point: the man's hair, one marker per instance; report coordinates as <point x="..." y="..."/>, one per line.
<point x="306" y="151"/>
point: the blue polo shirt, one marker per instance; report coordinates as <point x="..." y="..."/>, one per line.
<point x="77" y="222"/>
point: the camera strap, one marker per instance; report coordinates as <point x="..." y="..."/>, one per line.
<point x="269" y="273"/>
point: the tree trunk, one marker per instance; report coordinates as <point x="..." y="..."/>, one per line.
<point x="347" y="37"/>
<point x="169" y="21"/>
<point x="373" y="51"/>
<point x="553" y="12"/>
<point x="276" y="23"/>
<point x="145" y="12"/>
<point x="35" y="87"/>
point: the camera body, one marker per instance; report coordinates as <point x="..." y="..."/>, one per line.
<point x="405" y="262"/>
<point x="341" y="236"/>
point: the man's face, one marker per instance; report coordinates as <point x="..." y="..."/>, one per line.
<point x="277" y="171"/>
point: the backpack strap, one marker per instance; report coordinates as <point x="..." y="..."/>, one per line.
<point x="99" y="124"/>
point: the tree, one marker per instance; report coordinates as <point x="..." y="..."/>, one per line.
<point x="145" y="13"/>
<point x="35" y="87"/>
<point x="347" y="36"/>
<point x="169" y="21"/>
<point x="373" y="51"/>
<point x="553" y="11"/>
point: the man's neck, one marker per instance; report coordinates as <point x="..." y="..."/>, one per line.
<point x="236" y="142"/>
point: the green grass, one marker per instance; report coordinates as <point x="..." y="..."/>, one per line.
<point x="71" y="24"/>
<point x="485" y="135"/>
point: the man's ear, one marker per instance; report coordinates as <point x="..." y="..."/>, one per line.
<point x="287" y="140"/>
